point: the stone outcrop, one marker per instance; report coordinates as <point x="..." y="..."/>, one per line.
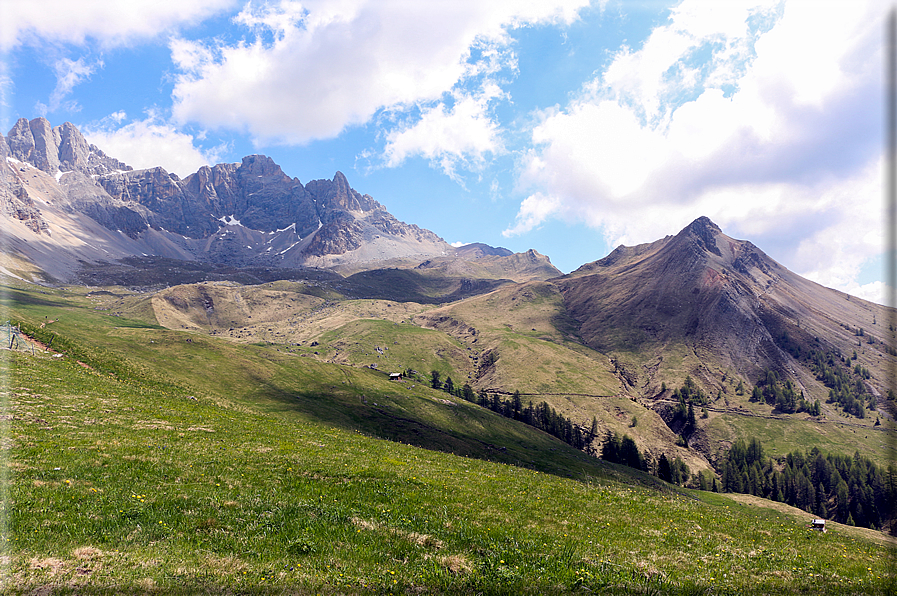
<point x="15" y="202"/>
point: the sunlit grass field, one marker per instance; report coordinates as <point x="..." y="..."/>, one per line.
<point x="174" y="463"/>
<point x="118" y="487"/>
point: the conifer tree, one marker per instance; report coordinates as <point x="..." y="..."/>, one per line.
<point x="691" y="424"/>
<point x="821" y="509"/>
<point x="483" y="398"/>
<point x="629" y="453"/>
<point x="610" y="451"/>
<point x="516" y="405"/>
<point x="664" y="472"/>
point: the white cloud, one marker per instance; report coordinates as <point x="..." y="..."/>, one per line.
<point x="534" y="210"/>
<point x="836" y="249"/>
<point x="332" y="64"/>
<point x="279" y="18"/>
<point x="69" y="73"/>
<point x="6" y="85"/>
<point x="150" y="143"/>
<point x="461" y="135"/>
<point x="765" y="119"/>
<point x="110" y="23"/>
<point x="875" y="291"/>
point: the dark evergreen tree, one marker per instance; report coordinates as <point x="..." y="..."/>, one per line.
<point x="610" y="451"/>
<point x="690" y="423"/>
<point x="821" y="509"/>
<point x="664" y="472"/>
<point x="629" y="453"/>
<point x="777" y="493"/>
<point x="483" y="398"/>
<point x="529" y="415"/>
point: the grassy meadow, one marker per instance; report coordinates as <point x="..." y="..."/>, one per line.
<point x="149" y="460"/>
<point x="116" y="486"/>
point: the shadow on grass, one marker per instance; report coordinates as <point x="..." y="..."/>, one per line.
<point x="14" y="296"/>
<point x="507" y="441"/>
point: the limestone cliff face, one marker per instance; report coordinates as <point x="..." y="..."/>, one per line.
<point x="243" y="214"/>
<point x="15" y="202"/>
<point x="282" y="222"/>
<point x="59" y="149"/>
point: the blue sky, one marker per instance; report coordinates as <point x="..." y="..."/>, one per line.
<point x="560" y="125"/>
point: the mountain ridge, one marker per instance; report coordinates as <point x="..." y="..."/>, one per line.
<point x="245" y="214"/>
<point x="714" y="294"/>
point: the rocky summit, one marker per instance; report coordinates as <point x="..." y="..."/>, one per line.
<point x="64" y="202"/>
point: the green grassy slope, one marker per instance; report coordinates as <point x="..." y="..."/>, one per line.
<point x="266" y="378"/>
<point x="538" y="353"/>
<point x="122" y="485"/>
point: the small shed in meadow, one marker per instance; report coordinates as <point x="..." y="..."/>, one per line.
<point x="818" y="524"/>
<point x="395" y="376"/>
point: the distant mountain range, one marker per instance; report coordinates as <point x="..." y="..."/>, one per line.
<point x="64" y="201"/>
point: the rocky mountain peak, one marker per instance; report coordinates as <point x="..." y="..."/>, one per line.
<point x="60" y="149"/>
<point x="73" y="150"/>
<point x="261" y="165"/>
<point x="478" y="249"/>
<point x="31" y="142"/>
<point x="20" y="140"/>
<point x="703" y="226"/>
<point x="245" y="213"/>
<point x="337" y="194"/>
<point x="703" y="232"/>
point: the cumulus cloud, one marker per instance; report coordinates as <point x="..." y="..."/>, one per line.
<point x="781" y="125"/>
<point x="149" y="143"/>
<point x="461" y="135"/>
<point x="875" y="291"/>
<point x="110" y="23"/>
<point x="315" y="68"/>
